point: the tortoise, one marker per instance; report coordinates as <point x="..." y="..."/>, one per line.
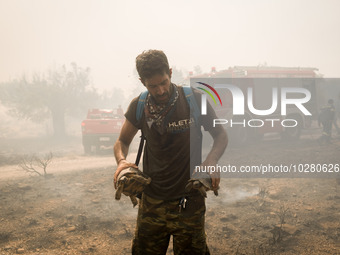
<point x="202" y="183"/>
<point x="131" y="182"/>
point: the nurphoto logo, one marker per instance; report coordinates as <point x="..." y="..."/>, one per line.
<point x="259" y="104"/>
<point x="239" y="98"/>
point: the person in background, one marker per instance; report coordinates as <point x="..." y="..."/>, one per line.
<point x="337" y="114"/>
<point x="326" y="119"/>
<point x="120" y="111"/>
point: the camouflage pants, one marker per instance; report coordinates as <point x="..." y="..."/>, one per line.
<point x="158" y="220"/>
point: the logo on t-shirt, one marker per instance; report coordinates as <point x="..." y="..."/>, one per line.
<point x="180" y="125"/>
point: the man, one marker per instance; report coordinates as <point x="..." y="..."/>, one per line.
<point x="337" y="114"/>
<point x="166" y="208"/>
<point x="120" y="111"/>
<point x="326" y="118"/>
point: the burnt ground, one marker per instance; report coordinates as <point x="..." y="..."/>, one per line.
<point x="74" y="212"/>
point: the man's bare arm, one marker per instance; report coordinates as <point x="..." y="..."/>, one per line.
<point x="220" y="144"/>
<point x="121" y="148"/>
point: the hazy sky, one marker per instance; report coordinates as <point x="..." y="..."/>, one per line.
<point x="107" y="35"/>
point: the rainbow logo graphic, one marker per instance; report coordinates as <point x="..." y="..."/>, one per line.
<point x="209" y="93"/>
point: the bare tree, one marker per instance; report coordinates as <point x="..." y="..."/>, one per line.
<point x="282" y="214"/>
<point x="198" y="70"/>
<point x="36" y="165"/>
<point x="277" y="231"/>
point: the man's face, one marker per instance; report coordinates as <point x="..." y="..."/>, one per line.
<point x="159" y="87"/>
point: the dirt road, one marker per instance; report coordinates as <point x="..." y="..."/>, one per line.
<point x="62" y="165"/>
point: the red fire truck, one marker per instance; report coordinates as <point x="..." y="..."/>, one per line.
<point x="101" y="128"/>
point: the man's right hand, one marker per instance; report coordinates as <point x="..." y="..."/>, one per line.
<point x="123" y="164"/>
<point x="121" y="148"/>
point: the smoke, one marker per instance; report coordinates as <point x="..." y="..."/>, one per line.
<point x="229" y="195"/>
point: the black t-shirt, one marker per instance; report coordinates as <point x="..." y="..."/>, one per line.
<point x="167" y="157"/>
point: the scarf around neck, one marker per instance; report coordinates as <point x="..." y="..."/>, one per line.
<point x="157" y="113"/>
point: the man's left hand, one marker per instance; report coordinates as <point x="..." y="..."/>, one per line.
<point x="215" y="176"/>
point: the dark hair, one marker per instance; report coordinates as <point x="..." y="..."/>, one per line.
<point x="152" y="62"/>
